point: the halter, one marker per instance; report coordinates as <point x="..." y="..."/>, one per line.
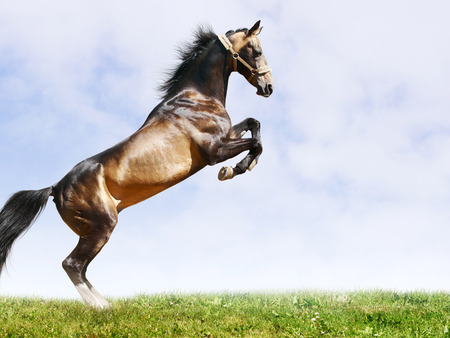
<point x="236" y="57"/>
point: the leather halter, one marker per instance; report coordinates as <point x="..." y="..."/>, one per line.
<point x="236" y="57"/>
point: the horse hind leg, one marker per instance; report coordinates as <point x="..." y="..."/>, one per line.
<point x="77" y="262"/>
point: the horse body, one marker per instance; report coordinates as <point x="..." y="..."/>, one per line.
<point x="188" y="130"/>
<point x="173" y="144"/>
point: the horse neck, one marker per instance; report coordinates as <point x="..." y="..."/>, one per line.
<point x="210" y="74"/>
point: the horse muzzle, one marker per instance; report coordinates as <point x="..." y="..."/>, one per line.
<point x="264" y="88"/>
<point x="264" y="84"/>
<point x="267" y="91"/>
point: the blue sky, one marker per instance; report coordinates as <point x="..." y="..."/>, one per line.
<point x="351" y="192"/>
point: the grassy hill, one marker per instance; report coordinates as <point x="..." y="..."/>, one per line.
<point x="295" y="314"/>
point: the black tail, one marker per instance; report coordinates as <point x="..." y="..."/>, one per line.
<point x="17" y="215"/>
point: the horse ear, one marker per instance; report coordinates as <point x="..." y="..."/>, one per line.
<point x="255" y="30"/>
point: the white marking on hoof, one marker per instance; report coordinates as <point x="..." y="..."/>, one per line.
<point x="252" y="165"/>
<point x="87" y="296"/>
<point x="225" y="173"/>
<point x="103" y="302"/>
<point x="90" y="299"/>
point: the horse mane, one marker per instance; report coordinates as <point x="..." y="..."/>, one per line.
<point x="188" y="54"/>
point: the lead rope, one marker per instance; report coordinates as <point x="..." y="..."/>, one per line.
<point x="236" y="57"/>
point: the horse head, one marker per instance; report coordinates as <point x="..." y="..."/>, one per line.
<point x="248" y="58"/>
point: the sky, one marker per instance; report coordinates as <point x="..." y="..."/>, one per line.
<point x="352" y="191"/>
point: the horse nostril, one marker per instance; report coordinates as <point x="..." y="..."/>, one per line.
<point x="270" y="88"/>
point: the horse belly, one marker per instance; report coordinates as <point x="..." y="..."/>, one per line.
<point x="144" y="172"/>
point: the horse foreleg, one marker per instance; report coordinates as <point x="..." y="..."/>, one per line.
<point x="229" y="149"/>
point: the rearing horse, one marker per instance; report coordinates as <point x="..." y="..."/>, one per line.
<point x="188" y="130"/>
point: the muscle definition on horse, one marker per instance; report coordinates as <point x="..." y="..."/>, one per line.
<point x="187" y="131"/>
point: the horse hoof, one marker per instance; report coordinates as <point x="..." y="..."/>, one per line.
<point x="225" y="173"/>
<point x="252" y="165"/>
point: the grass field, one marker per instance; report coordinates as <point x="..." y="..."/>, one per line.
<point x="294" y="314"/>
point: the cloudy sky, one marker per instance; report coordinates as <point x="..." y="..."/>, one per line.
<point x="352" y="190"/>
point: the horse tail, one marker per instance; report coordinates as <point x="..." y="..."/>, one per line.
<point x="18" y="214"/>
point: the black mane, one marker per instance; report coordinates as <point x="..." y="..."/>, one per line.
<point x="188" y="53"/>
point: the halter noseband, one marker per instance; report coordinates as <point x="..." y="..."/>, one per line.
<point x="236" y="57"/>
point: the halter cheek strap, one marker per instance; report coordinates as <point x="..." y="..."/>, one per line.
<point x="236" y="57"/>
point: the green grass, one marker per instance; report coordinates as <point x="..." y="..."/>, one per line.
<point x="295" y="314"/>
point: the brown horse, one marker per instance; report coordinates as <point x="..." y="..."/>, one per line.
<point x="188" y="130"/>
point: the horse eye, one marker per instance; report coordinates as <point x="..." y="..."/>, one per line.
<point x="257" y="53"/>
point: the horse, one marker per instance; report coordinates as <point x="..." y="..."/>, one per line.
<point x="188" y="130"/>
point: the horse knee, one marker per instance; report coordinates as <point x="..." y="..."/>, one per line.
<point x="253" y="124"/>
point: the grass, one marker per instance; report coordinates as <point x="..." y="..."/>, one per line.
<point x="294" y="314"/>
